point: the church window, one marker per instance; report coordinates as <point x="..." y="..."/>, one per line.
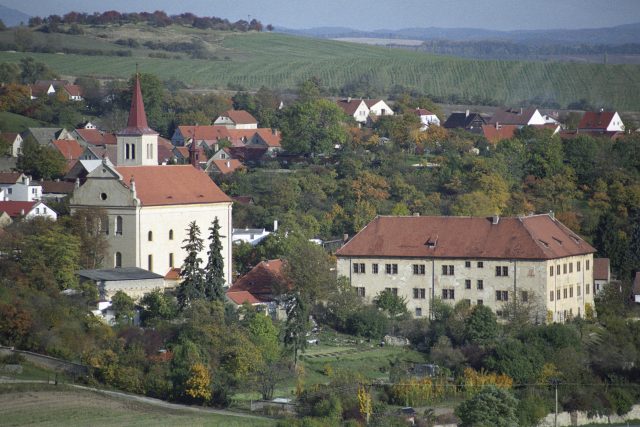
<point x="103" y="196"/>
<point x="170" y="234"/>
<point x="133" y="151"/>
<point x="118" y="261"/>
<point x="150" y="236"/>
<point x="119" y="225"/>
<point x="171" y="260"/>
<point x="150" y="263"/>
<point x="127" y="151"/>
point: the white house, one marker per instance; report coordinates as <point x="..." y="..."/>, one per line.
<point x="378" y="107"/>
<point x="15" y="143"/>
<point x="427" y="118"/>
<point x="133" y="281"/>
<point x="27" y="210"/>
<point x="518" y="117"/>
<point x="355" y="108"/>
<point x="601" y="274"/>
<point x="236" y="119"/>
<point x="601" y="121"/>
<point x="150" y="206"/>
<point x="19" y="187"/>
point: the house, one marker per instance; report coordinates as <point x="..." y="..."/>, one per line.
<point x="15" y="143"/>
<point x="497" y="132"/>
<point x="182" y="155"/>
<point x="56" y="191"/>
<point x="133" y="281"/>
<point x="19" y="187"/>
<point x="427" y="118"/>
<point x="82" y="168"/>
<point x="469" y="121"/>
<point x="222" y="154"/>
<point x="223" y="167"/>
<point x="150" y="206"/>
<point x="89" y="136"/>
<point x="70" y="149"/>
<point x="253" y="236"/>
<point x="44" y="136"/>
<point x="378" y="107"/>
<point x="236" y="119"/>
<point x="601" y="274"/>
<point x="51" y="87"/>
<point x="261" y="287"/>
<point x="482" y="261"/>
<point x="601" y="122"/>
<point x="355" y="108"/>
<point x="519" y="117"/>
<point x="27" y="210"/>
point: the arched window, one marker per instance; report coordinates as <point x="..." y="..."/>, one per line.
<point x="118" y="260"/>
<point x="171" y="260"/>
<point x="150" y="236"/>
<point x="133" y="151"/>
<point x="119" y="225"/>
<point x="170" y="234"/>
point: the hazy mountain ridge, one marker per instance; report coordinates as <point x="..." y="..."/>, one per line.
<point x="12" y="17"/>
<point x="621" y="34"/>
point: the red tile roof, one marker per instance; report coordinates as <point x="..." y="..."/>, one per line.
<point x="240" y="117"/>
<point x="270" y="136"/>
<point x="495" y="134"/>
<point x="596" y="120"/>
<point x="137" y="123"/>
<point x="9" y="177"/>
<point x="518" y="117"/>
<point x="97" y="137"/>
<point x="228" y="166"/>
<point x="263" y="281"/>
<point x="423" y="112"/>
<point x="73" y="90"/>
<point x="9" y="136"/>
<point x="204" y="133"/>
<point x="173" y="274"/>
<point x="172" y="185"/>
<point x="601" y="269"/>
<point x="371" y="102"/>
<point x="69" y="148"/>
<point x="16" y="209"/>
<point x="349" y="106"/>
<point x="240" y="297"/>
<point x="535" y="237"/>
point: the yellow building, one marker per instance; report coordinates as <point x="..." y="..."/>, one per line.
<point x="480" y="260"/>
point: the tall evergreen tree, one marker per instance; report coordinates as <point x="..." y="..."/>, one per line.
<point x="297" y="325"/>
<point x="192" y="286"/>
<point x="214" y="277"/>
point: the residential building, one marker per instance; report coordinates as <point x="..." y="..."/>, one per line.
<point x="236" y="119"/>
<point x="601" y="122"/>
<point x="355" y="108"/>
<point x="150" y="206"/>
<point x="51" y="87"/>
<point x="378" y="107"/>
<point x="601" y="273"/>
<point x="223" y="167"/>
<point x="56" y="191"/>
<point x="90" y="136"/>
<point x="28" y="210"/>
<point x="520" y="117"/>
<point x="253" y="236"/>
<point x="19" y="187"/>
<point x="261" y="287"/>
<point x="15" y="143"/>
<point x="427" y="118"/>
<point x="469" y="121"/>
<point x="489" y="261"/>
<point x="44" y="136"/>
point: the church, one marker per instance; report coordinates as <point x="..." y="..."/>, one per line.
<point x="150" y="206"/>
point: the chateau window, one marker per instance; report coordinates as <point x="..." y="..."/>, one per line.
<point x="447" y="270"/>
<point x="480" y="284"/>
<point x="118" y="260"/>
<point x="571" y="292"/>
<point x="360" y="291"/>
<point x="358" y="268"/>
<point x="418" y="311"/>
<point x="558" y="270"/>
<point x="150" y="236"/>
<point x="418" y="269"/>
<point x="524" y="296"/>
<point x="558" y="294"/>
<point x="570" y="267"/>
<point x="480" y="264"/>
<point x="149" y="151"/>
<point x="480" y="302"/>
<point x="586" y="263"/>
<point x="467" y="284"/>
<point x="578" y="289"/>
<point x="551" y="296"/>
<point x="119" y="225"/>
<point x="564" y="293"/>
<point x="502" y="271"/>
<point x="502" y="295"/>
<point x="150" y="263"/>
<point x="391" y="268"/>
<point x="419" y="293"/>
<point x="170" y="234"/>
<point x="586" y="289"/>
<point x="551" y="271"/>
<point x="374" y="268"/>
<point x="467" y="264"/>
<point x="448" y="294"/>
<point x="578" y="266"/>
<point x="394" y="291"/>
<point x="564" y="268"/>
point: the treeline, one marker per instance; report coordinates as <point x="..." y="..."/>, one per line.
<point x="158" y="18"/>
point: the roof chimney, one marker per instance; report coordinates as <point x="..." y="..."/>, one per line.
<point x="552" y="215"/>
<point x="345" y="237"/>
<point x="228" y="164"/>
<point x="275" y="225"/>
<point x="349" y="99"/>
<point x="495" y="220"/>
<point x="466" y="113"/>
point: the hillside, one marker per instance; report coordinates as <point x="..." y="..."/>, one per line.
<point x="279" y="61"/>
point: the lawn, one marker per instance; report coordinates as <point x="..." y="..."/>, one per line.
<point x="280" y="61"/>
<point x="46" y="405"/>
<point x="10" y="122"/>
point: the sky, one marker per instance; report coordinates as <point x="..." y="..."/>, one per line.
<point x="374" y="14"/>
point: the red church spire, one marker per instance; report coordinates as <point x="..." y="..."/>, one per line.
<point x="137" y="123"/>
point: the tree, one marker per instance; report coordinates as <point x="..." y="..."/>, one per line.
<point x="157" y="306"/>
<point x="9" y="73"/>
<point x="192" y="286"/>
<point x="481" y="327"/>
<point x="198" y="386"/>
<point x="124" y="307"/>
<point x="40" y="162"/>
<point x="214" y="277"/>
<point x="297" y="325"/>
<point x="392" y="304"/>
<point x="30" y="71"/>
<point x="91" y="225"/>
<point x="309" y="269"/>
<point x="492" y="406"/>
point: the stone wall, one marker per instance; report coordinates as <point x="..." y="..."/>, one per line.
<point x="582" y="418"/>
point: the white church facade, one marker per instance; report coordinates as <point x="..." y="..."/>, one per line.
<point x="150" y="206"/>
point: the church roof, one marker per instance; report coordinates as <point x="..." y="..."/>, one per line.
<point x="172" y="185"/>
<point x="137" y="124"/>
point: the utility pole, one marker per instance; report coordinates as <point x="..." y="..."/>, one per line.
<point x="555" y="382"/>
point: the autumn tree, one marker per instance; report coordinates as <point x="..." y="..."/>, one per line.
<point x="39" y="161"/>
<point x="192" y="286"/>
<point x="214" y="271"/>
<point x="198" y="385"/>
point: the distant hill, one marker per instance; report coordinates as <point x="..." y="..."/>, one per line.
<point x="12" y="17"/>
<point x="629" y="33"/>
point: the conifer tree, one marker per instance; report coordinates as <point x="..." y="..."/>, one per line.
<point x="214" y="277"/>
<point x="192" y="286"/>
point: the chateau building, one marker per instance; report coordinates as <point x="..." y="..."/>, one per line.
<point x="150" y="206"/>
<point x="492" y="261"/>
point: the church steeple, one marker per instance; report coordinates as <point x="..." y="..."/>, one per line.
<point x="137" y="143"/>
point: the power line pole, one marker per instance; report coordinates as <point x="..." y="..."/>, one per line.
<point x="555" y="382"/>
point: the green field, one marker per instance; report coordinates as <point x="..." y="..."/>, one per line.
<point x="50" y="406"/>
<point x="10" y="122"/>
<point x="281" y="61"/>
